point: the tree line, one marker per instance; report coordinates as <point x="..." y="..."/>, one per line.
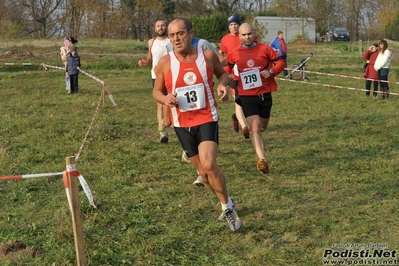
<point x="134" y="19"/>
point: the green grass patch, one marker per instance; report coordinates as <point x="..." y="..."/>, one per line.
<point x="333" y="157"/>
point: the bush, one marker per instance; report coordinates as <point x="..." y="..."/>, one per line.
<point x="298" y="37"/>
<point x="209" y="27"/>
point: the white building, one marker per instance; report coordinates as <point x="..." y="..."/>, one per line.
<point x="291" y="27"/>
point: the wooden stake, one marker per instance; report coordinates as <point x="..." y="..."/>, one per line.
<point x="75" y="211"/>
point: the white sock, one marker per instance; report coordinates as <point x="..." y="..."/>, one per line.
<point x="229" y="204"/>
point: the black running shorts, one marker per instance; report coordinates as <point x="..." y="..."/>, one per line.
<point x="233" y="88"/>
<point x="257" y="105"/>
<point x="191" y="137"/>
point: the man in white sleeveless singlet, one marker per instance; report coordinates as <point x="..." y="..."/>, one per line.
<point x="157" y="49"/>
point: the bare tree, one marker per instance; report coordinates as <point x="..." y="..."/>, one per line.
<point x="296" y="8"/>
<point x="76" y="14"/>
<point x="135" y="18"/>
<point x="41" y="14"/>
<point x="262" y="5"/>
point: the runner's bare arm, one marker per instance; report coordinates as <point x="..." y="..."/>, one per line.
<point x="145" y="62"/>
<point x="222" y="59"/>
<point x="159" y="85"/>
<point x="221" y="75"/>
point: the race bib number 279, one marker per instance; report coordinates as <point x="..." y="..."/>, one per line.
<point x="251" y="79"/>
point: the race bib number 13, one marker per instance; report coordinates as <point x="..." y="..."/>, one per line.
<point x="251" y="79"/>
<point x="191" y="98"/>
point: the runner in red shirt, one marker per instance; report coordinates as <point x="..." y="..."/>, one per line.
<point x="187" y="73"/>
<point x="203" y="44"/>
<point x="230" y="41"/>
<point x="257" y="65"/>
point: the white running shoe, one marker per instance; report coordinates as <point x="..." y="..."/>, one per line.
<point x="222" y="216"/>
<point x="232" y="219"/>
<point x="184" y="157"/>
<point x="163" y="137"/>
<point x="198" y="181"/>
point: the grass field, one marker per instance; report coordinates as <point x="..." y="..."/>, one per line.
<point x="333" y="155"/>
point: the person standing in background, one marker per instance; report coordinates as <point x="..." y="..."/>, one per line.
<point x="72" y="69"/>
<point x="63" y="54"/>
<point x="228" y="42"/>
<point x="382" y="65"/>
<point x="369" y="73"/>
<point x="70" y="43"/>
<point x="157" y="49"/>
<point x="279" y="45"/>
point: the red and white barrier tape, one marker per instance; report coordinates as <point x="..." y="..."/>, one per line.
<point x="62" y="68"/>
<point x="66" y="186"/>
<point x="20" y="64"/>
<point x="104" y="85"/>
<point x="98" y="104"/>
<point x="332" y="86"/>
<point x="6" y="178"/>
<point x="90" y="126"/>
<point x="71" y="171"/>
<point x="87" y="190"/>
<point x="342" y="76"/>
<point x="94" y="78"/>
<point x="96" y="112"/>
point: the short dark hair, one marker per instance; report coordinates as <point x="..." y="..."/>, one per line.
<point x="162" y="19"/>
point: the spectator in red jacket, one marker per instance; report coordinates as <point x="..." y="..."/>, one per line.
<point x="369" y="72"/>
